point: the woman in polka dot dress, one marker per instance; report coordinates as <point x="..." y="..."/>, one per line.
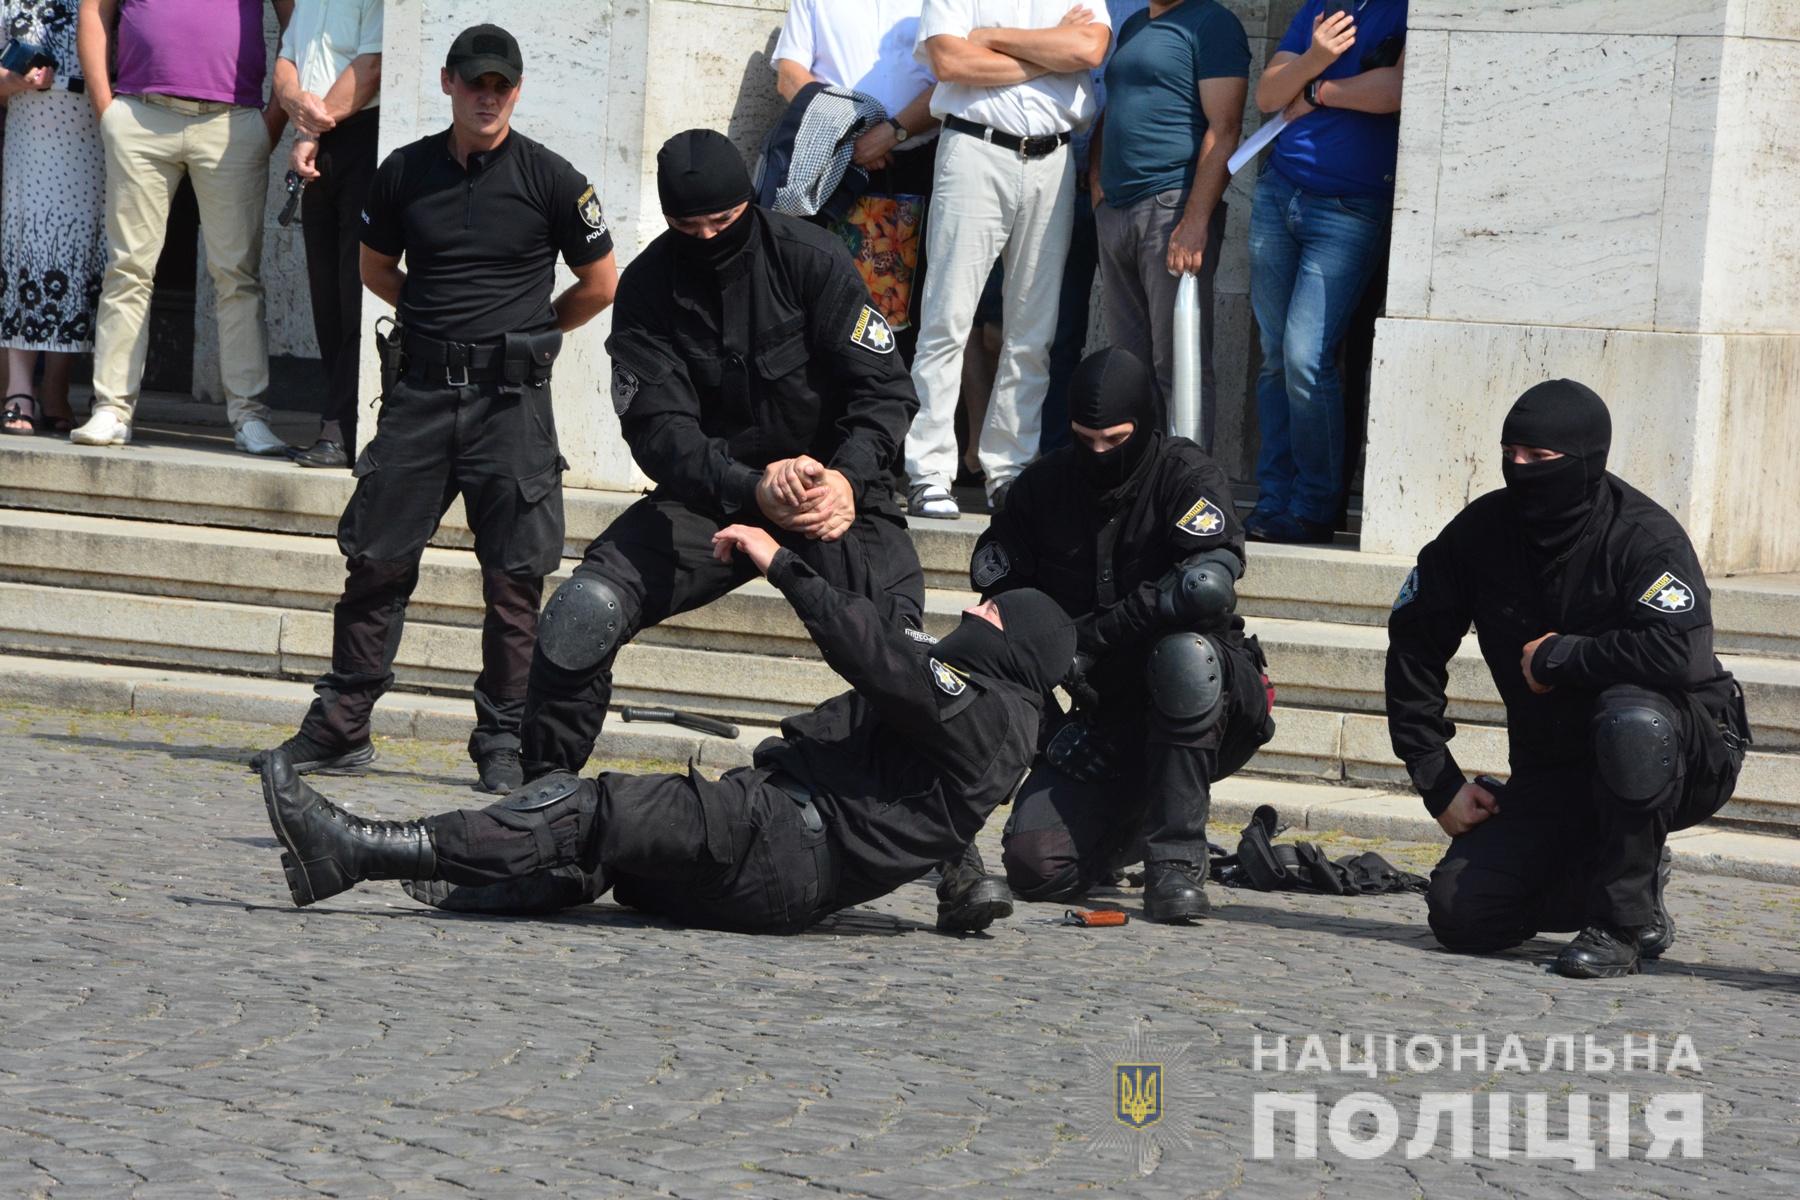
<point x="52" y="217"/>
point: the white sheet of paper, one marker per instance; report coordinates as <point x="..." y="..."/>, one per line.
<point x="1256" y="142"/>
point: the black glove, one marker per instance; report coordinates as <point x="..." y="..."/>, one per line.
<point x="1076" y="683"/>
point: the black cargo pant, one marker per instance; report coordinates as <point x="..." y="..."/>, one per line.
<point x="1065" y="835"/>
<point x="737" y="853"/>
<point x="496" y="450"/>
<point x="331" y="220"/>
<point x="1565" y="851"/>
<point x="657" y="559"/>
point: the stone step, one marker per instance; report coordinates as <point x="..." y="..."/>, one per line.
<point x="1308" y="809"/>
<point x="1314" y="664"/>
<point x="161" y="482"/>
<point x="1332" y="746"/>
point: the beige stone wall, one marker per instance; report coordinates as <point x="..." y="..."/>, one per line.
<point x="1599" y="189"/>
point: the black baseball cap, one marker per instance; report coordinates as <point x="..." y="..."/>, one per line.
<point x="483" y="49"/>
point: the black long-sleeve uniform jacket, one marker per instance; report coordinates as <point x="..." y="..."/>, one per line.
<point x="715" y="377"/>
<point x="1628" y="601"/>
<point x="903" y="771"/>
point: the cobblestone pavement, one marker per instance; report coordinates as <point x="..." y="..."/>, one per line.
<point x="170" y="1026"/>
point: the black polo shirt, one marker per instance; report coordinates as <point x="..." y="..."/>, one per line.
<point x="481" y="242"/>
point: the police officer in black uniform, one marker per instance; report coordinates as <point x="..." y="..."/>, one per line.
<point x="1133" y="532"/>
<point x="1594" y="618"/>
<point x="852" y="800"/>
<point x="754" y="384"/>
<point x="480" y="213"/>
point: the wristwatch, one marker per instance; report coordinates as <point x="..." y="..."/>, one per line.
<point x="1312" y="94"/>
<point x="901" y="133"/>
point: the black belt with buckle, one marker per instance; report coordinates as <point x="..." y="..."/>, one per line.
<point x="1024" y="147"/>
<point x="802" y="797"/>
<point x="460" y="363"/>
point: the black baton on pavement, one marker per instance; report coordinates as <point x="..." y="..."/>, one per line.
<point x="674" y="716"/>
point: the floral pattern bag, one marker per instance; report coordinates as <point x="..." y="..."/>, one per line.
<point x="883" y="233"/>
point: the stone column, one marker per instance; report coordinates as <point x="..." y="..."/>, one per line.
<point x="1603" y="190"/>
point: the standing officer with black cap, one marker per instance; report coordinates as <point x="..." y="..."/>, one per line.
<point x="480" y="213"/>
<point x="864" y="793"/>
<point x="1133" y="532"/>
<point x="1594" y="618"/>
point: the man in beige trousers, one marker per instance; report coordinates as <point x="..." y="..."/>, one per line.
<point x="184" y="97"/>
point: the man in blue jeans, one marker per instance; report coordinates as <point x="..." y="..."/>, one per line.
<point x="1318" y="231"/>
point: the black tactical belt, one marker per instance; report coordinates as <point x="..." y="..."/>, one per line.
<point x="1024" y="147"/>
<point x="802" y="796"/>
<point x="458" y="363"/>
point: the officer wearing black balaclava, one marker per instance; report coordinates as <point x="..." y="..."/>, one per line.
<point x="864" y="793"/>
<point x="1133" y="531"/>
<point x="1593" y="616"/>
<point x="754" y="383"/>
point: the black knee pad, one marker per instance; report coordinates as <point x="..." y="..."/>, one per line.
<point x="583" y="624"/>
<point x="558" y="810"/>
<point x="1637" y="754"/>
<point x="1186" y="677"/>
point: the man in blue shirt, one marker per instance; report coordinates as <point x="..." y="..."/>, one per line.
<point x="1176" y="86"/>
<point x="1318" y="231"/>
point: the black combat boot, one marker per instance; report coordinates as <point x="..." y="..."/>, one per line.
<point x="1599" y="952"/>
<point x="969" y="899"/>
<point x="309" y="756"/>
<point x="501" y="772"/>
<point x="1174" y="893"/>
<point x="1655" y="938"/>
<point x="329" y="850"/>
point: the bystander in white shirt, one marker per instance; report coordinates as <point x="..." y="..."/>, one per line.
<point x="863" y="45"/>
<point x="324" y="35"/>
<point x="1045" y="105"/>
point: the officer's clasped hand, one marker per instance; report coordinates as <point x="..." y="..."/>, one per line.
<point x="1471" y="805"/>
<point x="753" y="543"/>
<point x="803" y="495"/>
<point x="1530" y="651"/>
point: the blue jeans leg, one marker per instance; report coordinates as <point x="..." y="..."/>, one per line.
<point x="1340" y="239"/>
<point x="1274" y="262"/>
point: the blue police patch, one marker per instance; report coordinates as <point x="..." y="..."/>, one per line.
<point x="1408" y="590"/>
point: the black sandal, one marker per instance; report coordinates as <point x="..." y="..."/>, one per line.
<point x="17" y="413"/>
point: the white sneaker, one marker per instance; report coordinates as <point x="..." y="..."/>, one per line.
<point x="255" y="437"/>
<point x="932" y="500"/>
<point x="104" y="428"/>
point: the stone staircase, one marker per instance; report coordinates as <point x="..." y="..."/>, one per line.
<point x="187" y="579"/>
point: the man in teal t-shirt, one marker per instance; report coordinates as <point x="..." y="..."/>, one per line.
<point x="1175" y="102"/>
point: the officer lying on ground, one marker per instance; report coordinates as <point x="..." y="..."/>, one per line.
<point x="1594" y="618"/>
<point x="1133" y="532"/>
<point x="480" y="213"/>
<point x="866" y="792"/>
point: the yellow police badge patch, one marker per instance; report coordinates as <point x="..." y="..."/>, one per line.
<point x="1668" y="595"/>
<point x="948" y="681"/>
<point x="872" y="332"/>
<point x="588" y="205"/>
<point x="1203" y="520"/>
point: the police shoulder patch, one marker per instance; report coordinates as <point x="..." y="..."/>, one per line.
<point x="990" y="565"/>
<point x="1667" y="594"/>
<point x="624" y="389"/>
<point x="872" y="332"/>
<point x="588" y="205"/>
<point x="947" y="679"/>
<point x="919" y="636"/>
<point x="1204" y="519"/>
<point x="1408" y="590"/>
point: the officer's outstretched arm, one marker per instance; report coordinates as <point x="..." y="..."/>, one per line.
<point x="1429" y="620"/>
<point x="1664" y="635"/>
<point x="659" y="414"/>
<point x="873" y="656"/>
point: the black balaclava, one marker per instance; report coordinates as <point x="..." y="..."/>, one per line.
<point x="1033" y="650"/>
<point x="1110" y="387"/>
<point x="1554" y="499"/>
<point x="699" y="172"/>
